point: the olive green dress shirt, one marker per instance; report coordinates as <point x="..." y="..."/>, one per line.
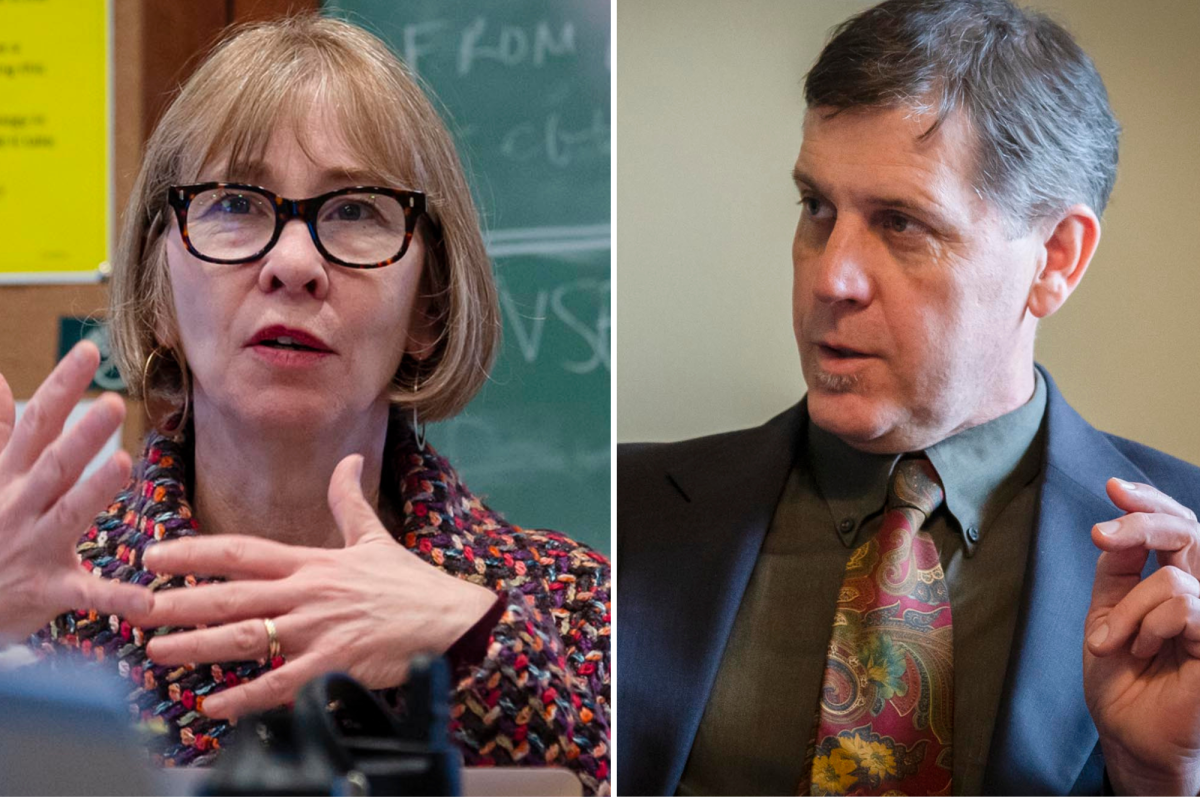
<point x="761" y="714"/>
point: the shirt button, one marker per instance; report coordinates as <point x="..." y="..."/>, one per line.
<point x="972" y="534"/>
<point x="846" y="525"/>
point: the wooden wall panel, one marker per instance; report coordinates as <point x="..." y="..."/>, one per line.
<point x="251" y="10"/>
<point x="175" y="37"/>
<point x="126" y="103"/>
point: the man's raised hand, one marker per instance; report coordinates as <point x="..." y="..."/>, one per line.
<point x="1141" y="660"/>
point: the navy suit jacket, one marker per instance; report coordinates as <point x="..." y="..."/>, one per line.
<point x="692" y="516"/>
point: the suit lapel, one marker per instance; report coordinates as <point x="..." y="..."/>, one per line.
<point x="1044" y="733"/>
<point x="728" y="499"/>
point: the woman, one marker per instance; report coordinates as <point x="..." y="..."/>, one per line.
<point x="298" y="326"/>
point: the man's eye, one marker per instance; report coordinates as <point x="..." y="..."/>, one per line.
<point x="897" y="223"/>
<point x="814" y="207"/>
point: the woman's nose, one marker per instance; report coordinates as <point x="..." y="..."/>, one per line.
<point x="294" y="264"/>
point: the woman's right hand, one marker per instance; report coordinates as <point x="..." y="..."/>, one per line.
<point x="45" y="507"/>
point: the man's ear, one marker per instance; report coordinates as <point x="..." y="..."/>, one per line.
<point x="1067" y="249"/>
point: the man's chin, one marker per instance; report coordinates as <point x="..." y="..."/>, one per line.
<point x="854" y="419"/>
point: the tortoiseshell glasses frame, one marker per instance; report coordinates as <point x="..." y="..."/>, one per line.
<point x="411" y="202"/>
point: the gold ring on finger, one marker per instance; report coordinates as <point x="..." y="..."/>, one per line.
<point x="273" y="648"/>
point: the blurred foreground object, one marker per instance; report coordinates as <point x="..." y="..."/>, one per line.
<point x="341" y="740"/>
<point x="68" y="735"/>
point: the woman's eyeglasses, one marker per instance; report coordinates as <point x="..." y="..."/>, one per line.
<point x="363" y="227"/>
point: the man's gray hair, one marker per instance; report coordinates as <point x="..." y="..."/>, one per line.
<point x="1046" y="136"/>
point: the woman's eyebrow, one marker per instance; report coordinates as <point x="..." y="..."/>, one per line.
<point x="351" y="175"/>
<point x="259" y="173"/>
<point x="255" y="172"/>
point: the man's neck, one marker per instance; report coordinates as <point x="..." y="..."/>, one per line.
<point x="913" y="438"/>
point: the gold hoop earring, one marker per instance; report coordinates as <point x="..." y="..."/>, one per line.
<point x="418" y="428"/>
<point x="174" y="433"/>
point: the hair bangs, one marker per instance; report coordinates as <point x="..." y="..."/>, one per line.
<point x="379" y="134"/>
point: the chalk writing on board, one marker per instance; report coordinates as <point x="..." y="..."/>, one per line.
<point x="559" y="133"/>
<point x="593" y="329"/>
<point x="561" y="144"/>
<point x="549" y="239"/>
<point x="513" y="44"/>
<point x="482" y="40"/>
<point x="580" y="305"/>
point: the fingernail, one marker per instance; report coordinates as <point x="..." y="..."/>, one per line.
<point x="151" y="557"/>
<point x="358" y="472"/>
<point x="1108" y="528"/>
<point x="1099" y="635"/>
<point x="1126" y="485"/>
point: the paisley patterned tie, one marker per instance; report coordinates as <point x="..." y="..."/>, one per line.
<point x="887" y="698"/>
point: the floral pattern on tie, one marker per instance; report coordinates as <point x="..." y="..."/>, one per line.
<point x="884" y="724"/>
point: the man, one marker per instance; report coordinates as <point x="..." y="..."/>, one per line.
<point x="956" y="158"/>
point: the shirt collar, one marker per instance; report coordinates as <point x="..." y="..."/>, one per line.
<point x="853" y="483"/>
<point x="981" y="468"/>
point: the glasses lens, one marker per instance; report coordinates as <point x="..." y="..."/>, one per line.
<point x="362" y="228"/>
<point x="230" y="223"/>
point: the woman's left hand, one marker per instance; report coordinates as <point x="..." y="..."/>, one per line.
<point x="365" y="609"/>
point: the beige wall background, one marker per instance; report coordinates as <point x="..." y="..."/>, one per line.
<point x="709" y="105"/>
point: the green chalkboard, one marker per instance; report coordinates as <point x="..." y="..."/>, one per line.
<point x="525" y="87"/>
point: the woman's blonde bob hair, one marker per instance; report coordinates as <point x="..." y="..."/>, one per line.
<point x="261" y="79"/>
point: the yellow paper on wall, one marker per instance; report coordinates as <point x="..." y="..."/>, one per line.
<point x="54" y="193"/>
